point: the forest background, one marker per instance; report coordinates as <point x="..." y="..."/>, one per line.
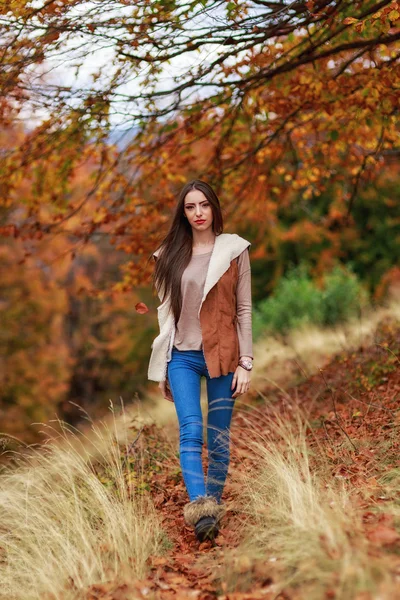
<point x="289" y="109"/>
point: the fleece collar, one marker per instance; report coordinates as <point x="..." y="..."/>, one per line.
<point x="227" y="246"/>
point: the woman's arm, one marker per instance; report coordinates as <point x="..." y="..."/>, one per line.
<point x="243" y="306"/>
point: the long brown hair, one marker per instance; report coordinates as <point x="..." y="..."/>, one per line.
<point x="176" y="248"/>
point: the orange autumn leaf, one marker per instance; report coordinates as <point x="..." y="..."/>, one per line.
<point x="141" y="308"/>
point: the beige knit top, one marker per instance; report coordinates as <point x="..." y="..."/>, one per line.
<point x="188" y="330"/>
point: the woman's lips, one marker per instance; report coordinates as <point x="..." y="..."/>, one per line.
<point x="201" y="221"/>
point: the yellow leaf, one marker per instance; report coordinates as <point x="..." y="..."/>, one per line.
<point x="305" y="79"/>
<point x="350" y="20"/>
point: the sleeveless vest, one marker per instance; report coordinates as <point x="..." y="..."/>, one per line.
<point x="217" y="314"/>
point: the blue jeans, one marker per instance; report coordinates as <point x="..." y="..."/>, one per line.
<point x="184" y="371"/>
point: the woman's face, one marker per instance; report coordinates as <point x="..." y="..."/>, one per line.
<point x="197" y="208"/>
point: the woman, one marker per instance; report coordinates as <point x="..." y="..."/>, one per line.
<point x="203" y="280"/>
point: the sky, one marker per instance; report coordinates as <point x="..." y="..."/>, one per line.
<point x="60" y="68"/>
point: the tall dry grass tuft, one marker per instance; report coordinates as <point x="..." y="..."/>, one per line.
<point x="300" y="526"/>
<point x="68" y="520"/>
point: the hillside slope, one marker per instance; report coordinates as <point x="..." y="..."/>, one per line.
<point x="350" y="410"/>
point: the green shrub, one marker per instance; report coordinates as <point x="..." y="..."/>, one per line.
<point x="343" y="296"/>
<point x="298" y="301"/>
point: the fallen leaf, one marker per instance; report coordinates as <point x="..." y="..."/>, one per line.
<point x="383" y="535"/>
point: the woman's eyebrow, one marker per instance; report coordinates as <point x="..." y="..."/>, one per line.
<point x="191" y="203"/>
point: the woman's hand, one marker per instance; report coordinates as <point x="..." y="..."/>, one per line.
<point x="241" y="380"/>
<point x="166" y="390"/>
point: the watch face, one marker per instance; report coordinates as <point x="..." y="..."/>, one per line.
<point x="248" y="364"/>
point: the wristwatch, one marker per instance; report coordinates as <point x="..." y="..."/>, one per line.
<point x="246" y="363"/>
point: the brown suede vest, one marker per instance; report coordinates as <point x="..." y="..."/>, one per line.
<point x="218" y="324"/>
<point x="217" y="314"/>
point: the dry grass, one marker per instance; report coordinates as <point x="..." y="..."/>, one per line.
<point x="64" y="527"/>
<point x="300" y="525"/>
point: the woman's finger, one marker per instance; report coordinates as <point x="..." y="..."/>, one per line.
<point x="238" y="391"/>
<point x="241" y="388"/>
<point x="168" y="391"/>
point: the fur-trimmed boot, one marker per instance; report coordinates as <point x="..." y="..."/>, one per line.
<point x="204" y="514"/>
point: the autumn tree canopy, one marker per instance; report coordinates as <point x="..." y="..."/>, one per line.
<point x="275" y="103"/>
<point x="289" y="109"/>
